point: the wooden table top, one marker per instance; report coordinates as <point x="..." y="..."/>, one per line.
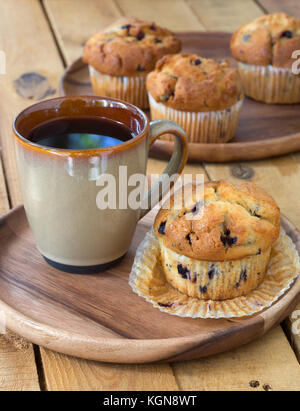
<point x="44" y="36"/>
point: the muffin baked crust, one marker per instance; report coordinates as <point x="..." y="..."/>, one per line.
<point x="268" y="40"/>
<point x="235" y="222"/>
<point x="193" y="83"/>
<point x="129" y="47"/>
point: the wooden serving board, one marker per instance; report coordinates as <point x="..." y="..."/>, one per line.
<point x="99" y="317"/>
<point x="265" y="130"/>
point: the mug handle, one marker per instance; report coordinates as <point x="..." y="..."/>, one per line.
<point x="176" y="163"/>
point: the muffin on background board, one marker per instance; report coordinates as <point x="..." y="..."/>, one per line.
<point x="220" y="249"/>
<point x="202" y="95"/>
<point x="263" y="49"/>
<point x="121" y="56"/>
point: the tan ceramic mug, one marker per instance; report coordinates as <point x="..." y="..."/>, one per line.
<point x="59" y="185"/>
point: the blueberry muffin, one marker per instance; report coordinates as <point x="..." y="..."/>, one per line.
<point x="202" y="95"/>
<point x="263" y="49"/>
<point x="121" y="56"/>
<point x="219" y="247"/>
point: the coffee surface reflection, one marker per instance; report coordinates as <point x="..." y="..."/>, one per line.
<point x="80" y="133"/>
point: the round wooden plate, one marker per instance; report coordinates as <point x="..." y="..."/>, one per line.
<point x="98" y="317"/>
<point x="265" y="130"/>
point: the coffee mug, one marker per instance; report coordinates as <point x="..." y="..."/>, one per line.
<point x="60" y="186"/>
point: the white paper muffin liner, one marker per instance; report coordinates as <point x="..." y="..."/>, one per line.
<point x="227" y="280"/>
<point x="148" y="280"/>
<point x="201" y="127"/>
<point x="270" y="84"/>
<point x="130" y="89"/>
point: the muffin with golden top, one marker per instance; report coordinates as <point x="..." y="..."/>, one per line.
<point x="218" y="247"/>
<point x="121" y="56"/>
<point x="202" y="95"/>
<point x="264" y="51"/>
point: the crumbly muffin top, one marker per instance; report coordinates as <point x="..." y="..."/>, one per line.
<point x="235" y="221"/>
<point x="193" y="83"/>
<point x="129" y="47"/>
<point x="270" y="39"/>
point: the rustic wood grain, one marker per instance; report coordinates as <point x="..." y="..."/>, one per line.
<point x="28" y="15"/>
<point x="97" y="14"/>
<point x="269" y="360"/>
<point x="17" y="362"/>
<point x="70" y="37"/>
<point x="72" y="33"/>
<point x="98" y="317"/>
<point x="292" y="323"/>
<point x="226" y="370"/>
<point x="292" y="328"/>
<point x="17" y="367"/>
<point x="279" y="175"/>
<point x="156" y="166"/>
<point x="4" y="204"/>
<point x="173" y="14"/>
<point x="225" y="15"/>
<point x="291" y="7"/>
<point x="27" y="41"/>
<point x="67" y="373"/>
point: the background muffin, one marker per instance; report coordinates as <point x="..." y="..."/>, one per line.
<point x="264" y="50"/>
<point x="220" y="249"/>
<point x="121" y="56"/>
<point x="202" y="95"/>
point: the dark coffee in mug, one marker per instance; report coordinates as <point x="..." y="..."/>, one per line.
<point x="79" y="133"/>
<point x="61" y="187"/>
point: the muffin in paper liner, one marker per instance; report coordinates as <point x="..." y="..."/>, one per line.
<point x="217" y="280"/>
<point x="270" y="84"/>
<point x="201" y="127"/>
<point x="130" y="89"/>
<point x="148" y="280"/>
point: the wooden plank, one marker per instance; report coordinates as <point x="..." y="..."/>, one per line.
<point x="219" y="15"/>
<point x="27" y="41"/>
<point x="158" y="166"/>
<point x="4" y="204"/>
<point x="17" y="361"/>
<point x="17" y="364"/>
<point x="269" y="360"/>
<point x="88" y="375"/>
<point x="148" y="11"/>
<point x="266" y="359"/>
<point x="37" y="37"/>
<point x="246" y="13"/>
<point x="23" y="32"/>
<point x="286" y="166"/>
<point x="71" y="32"/>
<point x="70" y="39"/>
<point x="97" y="14"/>
<point x="173" y="14"/>
<point x="291" y="7"/>
<point x="67" y="373"/>
<point x="280" y="177"/>
<point x="292" y="328"/>
<point x="292" y="323"/>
